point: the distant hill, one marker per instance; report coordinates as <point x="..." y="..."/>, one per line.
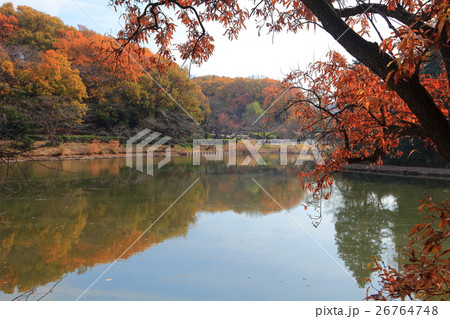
<point x="57" y="79"/>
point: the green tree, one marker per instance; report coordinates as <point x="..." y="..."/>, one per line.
<point x="253" y="109"/>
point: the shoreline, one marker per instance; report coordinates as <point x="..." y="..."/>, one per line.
<point x="409" y="171"/>
<point x="79" y="157"/>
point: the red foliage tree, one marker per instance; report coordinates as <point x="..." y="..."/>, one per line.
<point x="427" y="275"/>
<point x="362" y="109"/>
<point x="8" y="26"/>
<point x="420" y="28"/>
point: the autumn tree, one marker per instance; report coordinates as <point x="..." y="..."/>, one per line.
<point x="427" y="275"/>
<point x="225" y="126"/>
<point x="230" y="99"/>
<point x="54" y="77"/>
<point x="8" y="26"/>
<point x="417" y="29"/>
<point x="363" y="109"/>
<point x="26" y="26"/>
<point x="348" y="107"/>
<point x="58" y="91"/>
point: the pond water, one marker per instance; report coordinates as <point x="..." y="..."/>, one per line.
<point x="224" y="238"/>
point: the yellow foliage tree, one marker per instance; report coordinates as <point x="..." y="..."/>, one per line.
<point x="54" y="77"/>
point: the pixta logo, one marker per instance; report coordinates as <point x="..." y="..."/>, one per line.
<point x="143" y="140"/>
<point x="307" y="150"/>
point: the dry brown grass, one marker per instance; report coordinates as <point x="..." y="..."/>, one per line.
<point x="72" y="149"/>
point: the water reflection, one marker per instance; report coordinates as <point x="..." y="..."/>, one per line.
<point x="375" y="214"/>
<point x="64" y="222"/>
<point x="86" y="213"/>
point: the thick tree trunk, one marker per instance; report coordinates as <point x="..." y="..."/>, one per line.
<point x="417" y="98"/>
<point x="446" y="60"/>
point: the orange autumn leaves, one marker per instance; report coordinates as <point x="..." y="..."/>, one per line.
<point x="427" y="275"/>
<point x="149" y="20"/>
<point x="8" y="26"/>
<point x="417" y="28"/>
<point x="349" y="108"/>
<point x="52" y="70"/>
<point x="54" y="75"/>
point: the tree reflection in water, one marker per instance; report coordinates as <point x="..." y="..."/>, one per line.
<point x="64" y="222"/>
<point x="375" y="215"/>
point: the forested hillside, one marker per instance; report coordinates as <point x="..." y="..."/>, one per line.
<point x="59" y="80"/>
<point x="55" y="79"/>
<point x="238" y="104"/>
<point x="59" y="83"/>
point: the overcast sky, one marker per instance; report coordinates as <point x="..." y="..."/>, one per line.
<point x="249" y="55"/>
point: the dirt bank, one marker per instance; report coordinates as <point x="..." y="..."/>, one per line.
<point x="399" y="170"/>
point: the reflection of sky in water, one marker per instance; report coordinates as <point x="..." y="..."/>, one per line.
<point x="226" y="256"/>
<point x="389" y="249"/>
<point x="389" y="202"/>
<point x="235" y="244"/>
